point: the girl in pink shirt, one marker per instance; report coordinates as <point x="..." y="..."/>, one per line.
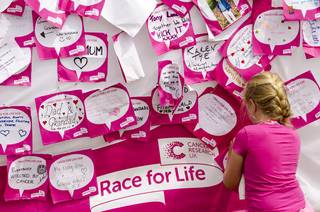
<point x="267" y="152"/>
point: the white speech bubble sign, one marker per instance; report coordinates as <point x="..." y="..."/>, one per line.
<point x="53" y="37"/>
<point x="202" y="57"/>
<point x="51" y="6"/>
<point x="216" y="116"/>
<point x="107" y="106"/>
<point x="170" y="80"/>
<point x="71" y="172"/>
<point x="77" y="3"/>
<point x="240" y="51"/>
<point x="233" y="76"/>
<point x="164" y="25"/>
<point x="27" y="173"/>
<point x="27" y="53"/>
<point x="304" y="5"/>
<point x="304" y="97"/>
<point x="311" y="32"/>
<point x="95" y="58"/>
<point x="61" y="113"/>
<point x="15" y="127"/>
<point x="271" y="29"/>
<point x="5" y="4"/>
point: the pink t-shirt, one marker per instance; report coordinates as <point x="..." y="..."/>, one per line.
<point x="271" y="154"/>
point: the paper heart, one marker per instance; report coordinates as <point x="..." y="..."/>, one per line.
<point x="80" y="62"/>
<point x="4" y="132"/>
<point x="22" y="133"/>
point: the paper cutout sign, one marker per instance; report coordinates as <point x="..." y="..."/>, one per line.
<point x="61" y="116"/>
<point x="201" y="60"/>
<point x="219" y="15"/>
<point x="140" y="131"/>
<point x="86" y="8"/>
<point x="229" y="79"/>
<point x="311" y="38"/>
<point x="27" y="177"/>
<point x="52" y="42"/>
<point x="15" y="130"/>
<point x="12" y="59"/>
<point x="170" y="83"/>
<point x="49" y="11"/>
<point x="185" y="112"/>
<point x="239" y="52"/>
<point x="92" y="67"/>
<point x="15" y="8"/>
<point x="72" y="176"/>
<point x="22" y="77"/>
<point x="168" y="31"/>
<point x="219" y="117"/>
<point x="304" y="97"/>
<point x="109" y="110"/>
<point x="181" y="7"/>
<point x="271" y="34"/>
<point x="301" y="10"/>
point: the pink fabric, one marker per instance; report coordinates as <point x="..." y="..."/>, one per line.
<point x="271" y="153"/>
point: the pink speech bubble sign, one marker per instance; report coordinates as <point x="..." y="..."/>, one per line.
<point x="304" y="97"/>
<point x="237" y="9"/>
<point x="86" y="8"/>
<point x="219" y="117"/>
<point x="168" y="31"/>
<point x="15" y="130"/>
<point x="109" y="110"/>
<point x="49" y="11"/>
<point x="201" y="60"/>
<point x="185" y="112"/>
<point x="15" y="8"/>
<point x="53" y="42"/>
<point x="23" y="77"/>
<point x="27" y="177"/>
<point x="72" y="176"/>
<point x="272" y="35"/>
<point x="140" y="131"/>
<point x="61" y="116"/>
<point x="92" y="67"/>
<point x="181" y="7"/>
<point x="301" y="10"/>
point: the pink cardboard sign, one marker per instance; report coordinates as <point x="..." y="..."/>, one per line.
<point x="86" y="8"/>
<point x="239" y="52"/>
<point x="185" y="112"/>
<point x="15" y="130"/>
<point x="53" y="42"/>
<point x="49" y="11"/>
<point x="27" y="177"/>
<point x="109" y="110"/>
<point x="229" y="79"/>
<point x="16" y="8"/>
<point x="181" y="7"/>
<point x="304" y="97"/>
<point x="61" y="116"/>
<point x="168" y="31"/>
<point x="200" y="60"/>
<point x="140" y="131"/>
<point x="219" y="15"/>
<point x="23" y="77"/>
<point x="72" y="176"/>
<point x="272" y="35"/>
<point x="311" y="36"/>
<point x="219" y="117"/>
<point x="170" y="83"/>
<point x="301" y="10"/>
<point x="92" y="67"/>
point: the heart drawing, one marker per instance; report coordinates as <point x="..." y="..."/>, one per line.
<point x="4" y="132"/>
<point x="22" y="133"/>
<point x="80" y="62"/>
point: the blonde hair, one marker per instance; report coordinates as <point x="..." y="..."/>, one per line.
<point x="269" y="94"/>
